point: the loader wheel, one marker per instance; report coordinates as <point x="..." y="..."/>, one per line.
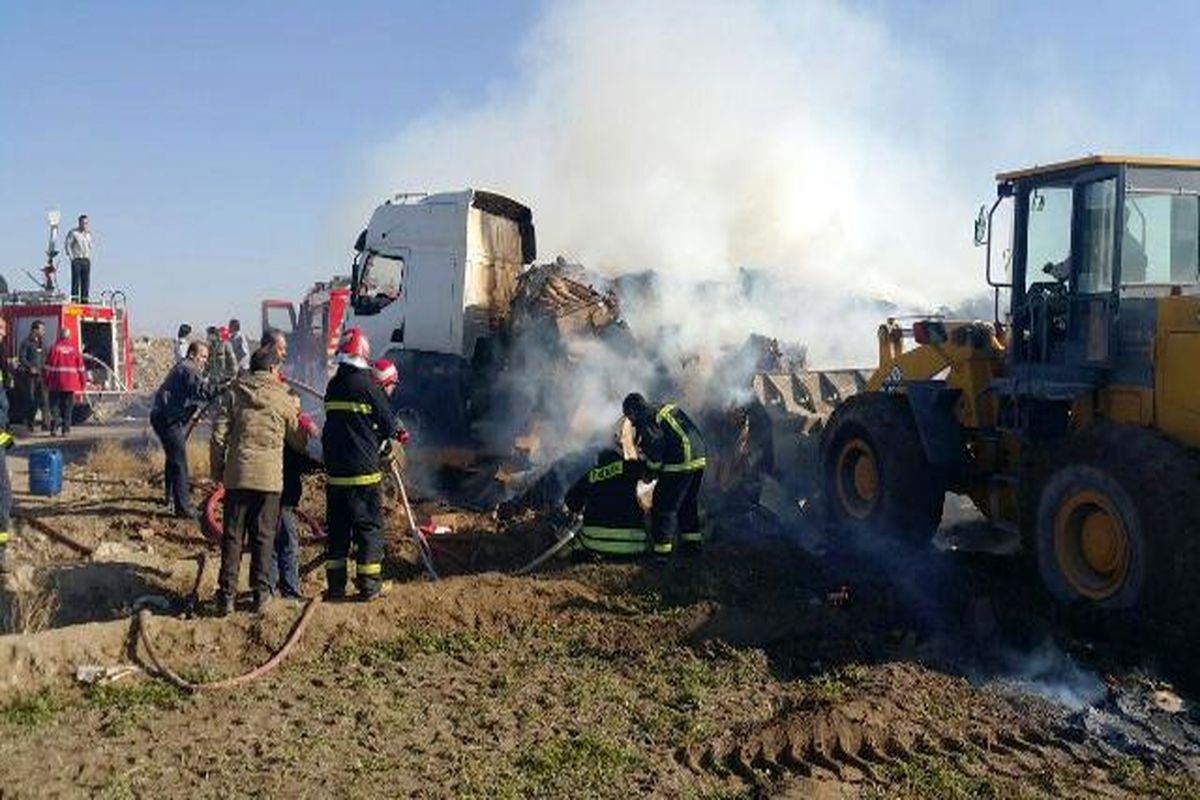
<point x="1116" y="524"/>
<point x="874" y="471"/>
<point x="1091" y="540"/>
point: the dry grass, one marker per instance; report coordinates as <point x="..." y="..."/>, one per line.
<point x="29" y="608"/>
<point x="110" y="459"/>
<point x="197" y="456"/>
<point x="114" y="461"/>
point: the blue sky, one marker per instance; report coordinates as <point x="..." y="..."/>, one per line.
<point x="210" y="141"/>
<point x="219" y="147"/>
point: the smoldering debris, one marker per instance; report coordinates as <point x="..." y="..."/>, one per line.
<point x="572" y="349"/>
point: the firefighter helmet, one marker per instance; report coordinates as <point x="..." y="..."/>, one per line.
<point x="385" y="373"/>
<point x="354" y="344"/>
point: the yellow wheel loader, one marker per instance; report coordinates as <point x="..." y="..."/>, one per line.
<point x="1075" y="422"/>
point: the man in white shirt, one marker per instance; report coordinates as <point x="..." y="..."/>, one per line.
<point x="78" y="245"/>
<point x="241" y="345"/>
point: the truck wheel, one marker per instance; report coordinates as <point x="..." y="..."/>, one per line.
<point x="1116" y="523"/>
<point x="875" y="476"/>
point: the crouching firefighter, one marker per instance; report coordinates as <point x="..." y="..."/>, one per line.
<point x="674" y="452"/>
<point x="357" y="421"/>
<point x="613" y="521"/>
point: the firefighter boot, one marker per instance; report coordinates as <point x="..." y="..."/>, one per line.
<point x="369" y="587"/>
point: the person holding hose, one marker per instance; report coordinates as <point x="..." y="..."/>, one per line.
<point x="181" y="394"/>
<point x="674" y="452"/>
<point x="257" y="415"/>
<point x="285" y="570"/>
<point x="606" y="495"/>
<point x="358" y="422"/>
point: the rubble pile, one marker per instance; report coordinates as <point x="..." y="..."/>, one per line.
<point x="153" y="357"/>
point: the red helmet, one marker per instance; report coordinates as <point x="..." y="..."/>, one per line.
<point x="354" y="344"/>
<point x="386" y="373"/>
<point x="223" y="332"/>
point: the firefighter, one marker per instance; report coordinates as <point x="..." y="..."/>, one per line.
<point x="388" y="377"/>
<point x="674" y="452"/>
<point x="613" y="521"/>
<point x="6" y="442"/>
<point x="358" y="423"/>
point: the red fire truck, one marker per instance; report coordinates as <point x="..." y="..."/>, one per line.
<point x="312" y="329"/>
<point x="100" y="329"/>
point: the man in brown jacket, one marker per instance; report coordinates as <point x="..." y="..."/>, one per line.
<point x="256" y="417"/>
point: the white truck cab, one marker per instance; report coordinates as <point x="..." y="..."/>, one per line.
<point x="435" y="273"/>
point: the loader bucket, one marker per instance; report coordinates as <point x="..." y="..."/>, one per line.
<point x="794" y="406"/>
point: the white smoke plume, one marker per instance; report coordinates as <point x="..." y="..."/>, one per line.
<point x="698" y="138"/>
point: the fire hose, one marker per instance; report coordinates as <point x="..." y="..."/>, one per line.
<point x="274" y="661"/>
<point x="214" y="524"/>
<point x="418" y="538"/>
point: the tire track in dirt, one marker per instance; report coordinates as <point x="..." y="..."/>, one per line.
<point x="895" y="714"/>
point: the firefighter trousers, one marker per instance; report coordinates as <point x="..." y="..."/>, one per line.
<point x="353" y="519"/>
<point x="675" y="510"/>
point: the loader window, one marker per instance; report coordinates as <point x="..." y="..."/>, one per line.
<point x="1048" y="235"/>
<point x="1161" y="240"/>
<point x="1099" y="217"/>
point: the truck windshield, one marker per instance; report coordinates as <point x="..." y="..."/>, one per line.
<point x="1160" y="242"/>
<point x="380" y="281"/>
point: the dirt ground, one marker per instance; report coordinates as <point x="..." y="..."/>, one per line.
<point x="756" y="669"/>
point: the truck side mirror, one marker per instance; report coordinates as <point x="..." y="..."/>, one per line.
<point x="981" y="227"/>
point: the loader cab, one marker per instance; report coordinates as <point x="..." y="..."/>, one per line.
<point x="1093" y="242"/>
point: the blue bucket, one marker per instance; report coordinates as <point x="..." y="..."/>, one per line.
<point x="45" y="472"/>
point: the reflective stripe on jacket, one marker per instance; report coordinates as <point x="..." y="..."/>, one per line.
<point x="671" y="441"/>
<point x="613" y="521"/>
<point x="358" y="420"/>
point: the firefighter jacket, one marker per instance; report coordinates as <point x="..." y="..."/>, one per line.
<point x="670" y="441"/>
<point x="181" y="393"/>
<point x="256" y="415"/>
<point x="358" y="421"/>
<point x="64" y="370"/>
<point x="613" y="522"/>
<point x="6" y="382"/>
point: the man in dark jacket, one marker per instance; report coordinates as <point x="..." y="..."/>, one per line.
<point x="674" y="451"/>
<point x="285" y="571"/>
<point x="613" y="521"/>
<point x="180" y="395"/>
<point x="31" y="358"/>
<point x="358" y="421"/>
